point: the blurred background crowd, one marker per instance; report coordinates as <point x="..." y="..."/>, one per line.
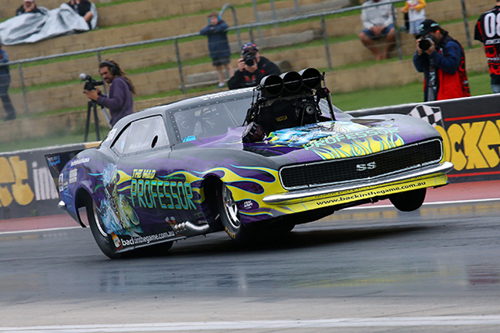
<point x="173" y="49"/>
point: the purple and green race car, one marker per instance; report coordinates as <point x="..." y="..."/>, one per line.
<point x="253" y="162"/>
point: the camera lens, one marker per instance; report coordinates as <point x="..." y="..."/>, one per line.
<point x="249" y="60"/>
<point x="425" y="43"/>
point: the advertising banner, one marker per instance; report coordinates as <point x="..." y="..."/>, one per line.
<point x="470" y="128"/>
<point x="26" y="186"/>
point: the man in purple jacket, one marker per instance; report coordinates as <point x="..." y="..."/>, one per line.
<point x="119" y="102"/>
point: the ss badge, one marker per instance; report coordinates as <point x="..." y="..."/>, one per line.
<point x="368" y="166"/>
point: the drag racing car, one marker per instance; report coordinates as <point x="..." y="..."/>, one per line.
<point x="251" y="162"/>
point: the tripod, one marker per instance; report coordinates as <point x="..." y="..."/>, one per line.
<point x="92" y="106"/>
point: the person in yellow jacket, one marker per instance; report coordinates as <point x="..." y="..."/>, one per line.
<point x="416" y="14"/>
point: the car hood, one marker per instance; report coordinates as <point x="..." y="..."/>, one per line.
<point x="327" y="140"/>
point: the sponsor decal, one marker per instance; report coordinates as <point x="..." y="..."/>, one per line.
<point x="80" y="161"/>
<point x="73" y="176"/>
<point x="248" y="205"/>
<point x="139" y="240"/>
<point x="148" y="192"/>
<point x="332" y="139"/>
<point x="358" y="194"/>
<point x="160" y="193"/>
<point x="61" y="179"/>
<point x="54" y="160"/>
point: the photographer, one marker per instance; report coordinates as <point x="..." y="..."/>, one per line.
<point x="119" y="102"/>
<point x="252" y="67"/>
<point x="442" y="60"/>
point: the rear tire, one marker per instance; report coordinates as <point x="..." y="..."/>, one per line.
<point x="408" y="201"/>
<point x="103" y="239"/>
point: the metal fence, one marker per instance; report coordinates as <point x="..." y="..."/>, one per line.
<point x="184" y="53"/>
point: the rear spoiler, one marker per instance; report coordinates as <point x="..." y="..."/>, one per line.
<point x="57" y="160"/>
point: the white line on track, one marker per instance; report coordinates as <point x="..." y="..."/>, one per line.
<point x="350" y="208"/>
<point x="267" y="324"/>
<point x="39" y="230"/>
<point x="427" y="203"/>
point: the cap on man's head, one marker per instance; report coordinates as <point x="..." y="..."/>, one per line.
<point x="29" y="0"/>
<point x="427" y="26"/>
<point x="249" y="48"/>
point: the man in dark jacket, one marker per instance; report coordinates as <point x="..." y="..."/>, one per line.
<point x="28" y="6"/>
<point x="252" y="67"/>
<point x="119" y="101"/>
<point x="442" y="60"/>
<point x="218" y="45"/>
<point x="4" y="86"/>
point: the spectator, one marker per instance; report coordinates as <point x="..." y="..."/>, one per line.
<point x="28" y="6"/>
<point x="83" y="8"/>
<point x="442" y="60"/>
<point x="487" y="33"/>
<point x="4" y="85"/>
<point x="119" y="102"/>
<point x="218" y="46"/>
<point x="252" y="67"/>
<point x="416" y="14"/>
<point x="378" y="25"/>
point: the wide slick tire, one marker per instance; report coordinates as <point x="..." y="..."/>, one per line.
<point x="408" y="201"/>
<point x="229" y="214"/>
<point x="103" y="239"/>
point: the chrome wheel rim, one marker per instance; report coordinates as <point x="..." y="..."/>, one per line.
<point x="230" y="207"/>
<point x="98" y="222"/>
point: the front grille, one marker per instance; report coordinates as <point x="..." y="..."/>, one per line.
<point x="386" y="162"/>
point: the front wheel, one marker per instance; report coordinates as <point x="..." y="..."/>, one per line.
<point x="229" y="214"/>
<point x="408" y="201"/>
<point x="102" y="238"/>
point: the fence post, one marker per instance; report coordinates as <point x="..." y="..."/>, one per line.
<point x="250" y="33"/>
<point x="297" y="9"/>
<point x="257" y="19"/>
<point x="396" y="32"/>
<point x="25" y="96"/>
<point x="466" y="24"/>
<point x="275" y="18"/>
<point x="235" y="18"/>
<point x="327" y="44"/>
<point x="179" y="65"/>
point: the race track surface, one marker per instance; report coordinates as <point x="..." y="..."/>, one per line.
<point x="365" y="269"/>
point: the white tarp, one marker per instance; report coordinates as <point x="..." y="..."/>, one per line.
<point x="31" y="28"/>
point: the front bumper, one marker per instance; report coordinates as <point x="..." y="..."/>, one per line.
<point x="314" y="193"/>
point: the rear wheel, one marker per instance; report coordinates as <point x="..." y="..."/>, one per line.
<point x="229" y="214"/>
<point x="103" y="239"/>
<point x="408" y="201"/>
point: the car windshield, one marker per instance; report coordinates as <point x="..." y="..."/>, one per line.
<point x="214" y="118"/>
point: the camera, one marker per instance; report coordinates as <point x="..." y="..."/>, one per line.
<point x="425" y="42"/>
<point x="249" y="59"/>
<point x="90" y="83"/>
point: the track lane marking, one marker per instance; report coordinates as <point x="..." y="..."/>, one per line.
<point x="266" y="324"/>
